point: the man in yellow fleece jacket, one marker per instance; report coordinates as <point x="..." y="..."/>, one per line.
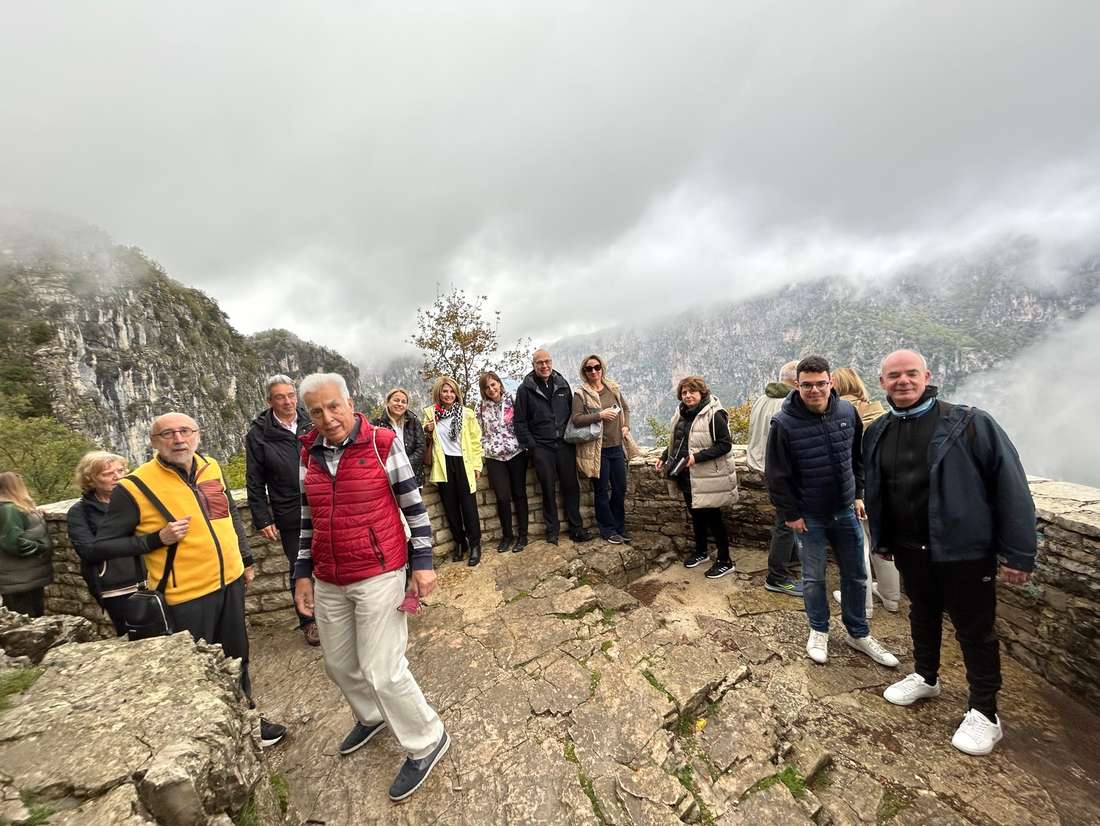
<point x="205" y="589"/>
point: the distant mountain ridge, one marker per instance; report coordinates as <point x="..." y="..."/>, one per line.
<point x="965" y="317"/>
<point x="97" y="335"/>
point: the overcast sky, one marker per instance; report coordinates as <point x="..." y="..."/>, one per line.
<point x="324" y="166"/>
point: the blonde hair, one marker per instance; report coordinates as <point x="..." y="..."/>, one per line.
<point x="437" y="388"/>
<point x="92" y="464"/>
<point x="585" y="360"/>
<point x="396" y="390"/>
<point x="13" y="489"/>
<point x="848" y="383"/>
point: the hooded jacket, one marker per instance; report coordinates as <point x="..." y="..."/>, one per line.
<point x="813" y="465"/>
<point x="541" y="416"/>
<point x="271" y="467"/>
<point x="764" y="407"/>
<point x="979" y="501"/>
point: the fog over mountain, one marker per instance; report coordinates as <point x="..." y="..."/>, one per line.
<point x="327" y="169"/>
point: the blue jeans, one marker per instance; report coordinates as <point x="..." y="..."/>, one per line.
<point x="609" y="491"/>
<point x="843" y="532"/>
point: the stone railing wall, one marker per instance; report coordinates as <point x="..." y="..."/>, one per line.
<point x="1052" y="624"/>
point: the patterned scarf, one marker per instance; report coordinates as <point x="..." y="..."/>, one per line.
<point x="454" y="413"/>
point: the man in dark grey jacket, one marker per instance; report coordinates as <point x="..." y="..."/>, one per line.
<point x="544" y="403"/>
<point x="272" y="455"/>
<point x="947" y="499"/>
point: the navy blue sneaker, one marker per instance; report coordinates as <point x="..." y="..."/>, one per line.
<point x="695" y="560"/>
<point x="359" y="736"/>
<point x="415" y="772"/>
<point x="790" y="587"/>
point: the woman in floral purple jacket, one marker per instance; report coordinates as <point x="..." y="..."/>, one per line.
<point x="505" y="460"/>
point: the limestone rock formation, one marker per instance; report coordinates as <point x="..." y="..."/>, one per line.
<point x="104" y="339"/>
<point x="150" y="732"/>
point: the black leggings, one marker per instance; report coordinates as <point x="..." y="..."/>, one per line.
<point x="707" y="521"/>
<point x="509" y="481"/>
<point x="459" y="503"/>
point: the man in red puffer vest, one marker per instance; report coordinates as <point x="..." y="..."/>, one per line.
<point x="356" y="483"/>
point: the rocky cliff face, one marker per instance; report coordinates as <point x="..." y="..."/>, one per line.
<point x="100" y="335"/>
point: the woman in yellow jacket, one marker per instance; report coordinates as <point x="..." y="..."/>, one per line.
<point x="456" y="465"/>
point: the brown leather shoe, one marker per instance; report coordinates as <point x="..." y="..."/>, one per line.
<point x="312" y="635"/>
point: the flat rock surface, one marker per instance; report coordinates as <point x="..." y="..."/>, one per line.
<point x="577" y="693"/>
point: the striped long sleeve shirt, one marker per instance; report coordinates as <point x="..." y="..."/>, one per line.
<point x="405" y="490"/>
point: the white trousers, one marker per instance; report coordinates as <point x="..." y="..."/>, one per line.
<point x="886" y="576"/>
<point x="363" y="637"/>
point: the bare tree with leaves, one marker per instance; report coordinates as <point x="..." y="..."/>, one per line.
<point x="456" y="339"/>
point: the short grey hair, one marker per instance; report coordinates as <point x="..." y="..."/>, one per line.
<point x="789" y="372"/>
<point x="278" y="378"/>
<point x="315" y="381"/>
<point x="882" y="364"/>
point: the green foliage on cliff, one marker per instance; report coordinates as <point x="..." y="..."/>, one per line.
<point x="45" y="452"/>
<point x="234" y="469"/>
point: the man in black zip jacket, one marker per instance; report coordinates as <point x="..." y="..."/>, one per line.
<point x="947" y="499"/>
<point x="544" y="403"/>
<point x="272" y="453"/>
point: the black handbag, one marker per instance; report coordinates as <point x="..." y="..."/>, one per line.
<point x="147" y="611"/>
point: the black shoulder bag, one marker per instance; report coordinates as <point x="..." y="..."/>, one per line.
<point x="147" y="611"/>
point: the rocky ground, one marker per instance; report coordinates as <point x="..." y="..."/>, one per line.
<point x="578" y="688"/>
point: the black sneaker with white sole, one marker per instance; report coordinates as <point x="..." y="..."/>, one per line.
<point x="414" y="772"/>
<point x="359" y="736"/>
<point x="719" y="570"/>
<point x="695" y="560"/>
<point x="270" y="733"/>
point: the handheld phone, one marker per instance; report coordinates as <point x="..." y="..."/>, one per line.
<point x="410" y="604"/>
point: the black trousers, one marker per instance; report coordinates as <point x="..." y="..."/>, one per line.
<point x="557" y="466"/>
<point x="116" y="610"/>
<point x="218" y="618"/>
<point x="459" y="504"/>
<point x="509" y="481"/>
<point x="783" y="553"/>
<point x="967" y="591"/>
<point x="32" y="603"/>
<point x="289" y="532"/>
<point x="706" y="521"/>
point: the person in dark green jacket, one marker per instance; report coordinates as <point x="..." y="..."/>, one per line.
<point x="25" y="566"/>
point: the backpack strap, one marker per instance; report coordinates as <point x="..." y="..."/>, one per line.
<point x="162" y="586"/>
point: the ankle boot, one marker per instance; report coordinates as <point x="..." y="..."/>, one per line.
<point x="504" y="545"/>
<point x="475" y="554"/>
<point x="459" y="552"/>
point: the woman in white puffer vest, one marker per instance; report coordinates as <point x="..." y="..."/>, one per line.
<point x="698" y="462"/>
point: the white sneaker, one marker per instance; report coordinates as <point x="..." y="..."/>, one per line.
<point x="908" y="691"/>
<point x="872" y="648"/>
<point x="976" y="734"/>
<point x="836" y="596"/>
<point x="817" y="646"/>
<point x="890" y="605"/>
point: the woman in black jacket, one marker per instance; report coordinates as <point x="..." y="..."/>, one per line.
<point x="111" y="583"/>
<point x="410" y="433"/>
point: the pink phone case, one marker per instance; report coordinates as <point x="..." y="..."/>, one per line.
<point x="410" y="604"/>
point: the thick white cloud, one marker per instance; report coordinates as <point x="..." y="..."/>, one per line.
<point x="325" y="166"/>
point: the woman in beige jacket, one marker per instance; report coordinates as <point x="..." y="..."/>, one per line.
<point x="603" y="460"/>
